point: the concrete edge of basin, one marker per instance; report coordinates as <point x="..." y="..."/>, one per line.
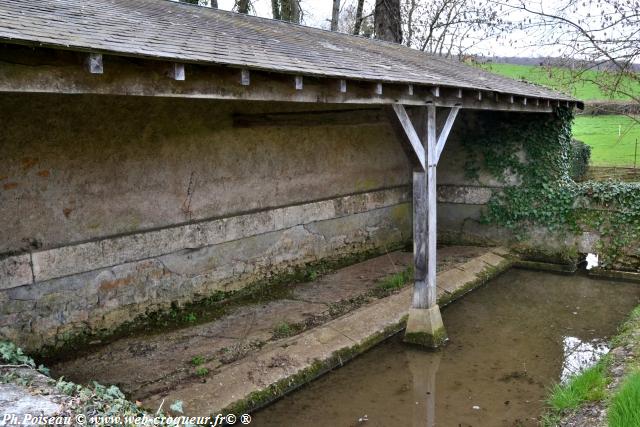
<point x="365" y="327"/>
<point x="627" y="276"/>
<point x="569" y="269"/>
<point x="546" y="266"/>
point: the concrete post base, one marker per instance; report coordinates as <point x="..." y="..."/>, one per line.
<point x="425" y="327"/>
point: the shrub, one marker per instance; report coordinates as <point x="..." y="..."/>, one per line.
<point x="580" y="156"/>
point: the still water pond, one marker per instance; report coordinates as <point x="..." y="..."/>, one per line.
<point x="509" y="341"/>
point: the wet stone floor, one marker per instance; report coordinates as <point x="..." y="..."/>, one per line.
<point x="509" y="341"/>
<point x="143" y="366"/>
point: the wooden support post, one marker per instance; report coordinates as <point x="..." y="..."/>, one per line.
<point x="524" y="101"/>
<point x="435" y="91"/>
<point x="479" y="95"/>
<point x="378" y="88"/>
<point x="343" y="86"/>
<point x="459" y="94"/>
<point x="94" y="63"/>
<point x="299" y="84"/>
<point x="420" y="213"/>
<point x="410" y="90"/>
<point x="424" y="326"/>
<point x="431" y="201"/>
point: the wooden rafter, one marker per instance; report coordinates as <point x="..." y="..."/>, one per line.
<point x="55" y="71"/>
<point x="411" y="134"/>
<point x="444" y="133"/>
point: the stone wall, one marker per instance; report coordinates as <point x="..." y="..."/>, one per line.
<point x="117" y="206"/>
<point x="462" y="202"/>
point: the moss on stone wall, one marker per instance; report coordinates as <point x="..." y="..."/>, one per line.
<point x="211" y="307"/>
<point x="533" y="151"/>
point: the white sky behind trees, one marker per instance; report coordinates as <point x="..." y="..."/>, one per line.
<point x="317" y="13"/>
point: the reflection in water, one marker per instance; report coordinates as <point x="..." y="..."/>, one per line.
<point x="579" y="355"/>
<point x="423" y="370"/>
<point x="509" y="342"/>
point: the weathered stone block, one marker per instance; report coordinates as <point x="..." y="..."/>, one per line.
<point x="89" y="256"/>
<point x="425" y="327"/>
<point x="587" y="242"/>
<point x="15" y="271"/>
<point x="464" y="194"/>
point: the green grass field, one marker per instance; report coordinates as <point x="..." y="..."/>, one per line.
<point x="607" y="148"/>
<point x="560" y="79"/>
<point x="600" y="132"/>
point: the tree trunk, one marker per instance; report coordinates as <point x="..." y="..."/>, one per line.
<point x="358" y="23"/>
<point x="387" y="23"/>
<point x="242" y="6"/>
<point x="295" y="11"/>
<point x="335" y="14"/>
<point x="275" y="9"/>
<point x="214" y="3"/>
<point x="290" y="11"/>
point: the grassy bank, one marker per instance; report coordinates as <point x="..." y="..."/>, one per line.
<point x="559" y="79"/>
<point x="611" y="385"/>
<point x="601" y="133"/>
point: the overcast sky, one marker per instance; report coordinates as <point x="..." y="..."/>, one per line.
<point x="318" y="14"/>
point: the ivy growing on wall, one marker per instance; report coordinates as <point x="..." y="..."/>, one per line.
<point x="531" y="155"/>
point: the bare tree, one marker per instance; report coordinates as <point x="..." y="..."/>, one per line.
<point x="358" y="22"/>
<point x="387" y="20"/>
<point x="449" y="27"/>
<point x="335" y="15"/>
<point x="287" y="10"/>
<point x="590" y="35"/>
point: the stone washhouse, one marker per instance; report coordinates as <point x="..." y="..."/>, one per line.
<point x="154" y="152"/>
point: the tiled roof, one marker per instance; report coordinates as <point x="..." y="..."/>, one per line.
<point x="181" y="32"/>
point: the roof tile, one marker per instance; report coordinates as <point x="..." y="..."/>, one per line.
<point x="181" y="32"/>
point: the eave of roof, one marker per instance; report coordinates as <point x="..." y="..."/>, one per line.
<point x="166" y="30"/>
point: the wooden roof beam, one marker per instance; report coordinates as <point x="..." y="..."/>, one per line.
<point x="245" y="77"/>
<point x="176" y="71"/>
<point x="56" y="71"/>
<point x="94" y="63"/>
